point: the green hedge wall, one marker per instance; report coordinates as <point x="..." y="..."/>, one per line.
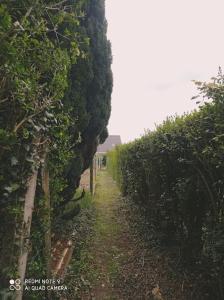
<point x="177" y="174"/>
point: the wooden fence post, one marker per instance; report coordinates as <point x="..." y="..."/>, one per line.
<point x="91" y="179"/>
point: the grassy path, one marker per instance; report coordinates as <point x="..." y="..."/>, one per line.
<point x="116" y="264"/>
<point x="106" y="245"/>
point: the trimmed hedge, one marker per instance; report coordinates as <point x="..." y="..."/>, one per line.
<point x="177" y="174"/>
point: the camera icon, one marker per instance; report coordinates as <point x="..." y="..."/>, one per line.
<point x="15" y="284"/>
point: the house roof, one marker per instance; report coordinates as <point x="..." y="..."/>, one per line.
<point x="109" y="144"/>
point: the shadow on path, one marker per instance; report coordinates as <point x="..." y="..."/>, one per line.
<point x="119" y="265"/>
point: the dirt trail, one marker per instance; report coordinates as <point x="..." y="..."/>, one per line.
<point x="105" y="246"/>
<point x="119" y="265"/>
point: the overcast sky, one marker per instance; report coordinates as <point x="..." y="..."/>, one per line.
<point x="158" y="47"/>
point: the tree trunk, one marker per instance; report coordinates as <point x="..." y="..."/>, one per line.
<point x="47" y="220"/>
<point x="25" y="234"/>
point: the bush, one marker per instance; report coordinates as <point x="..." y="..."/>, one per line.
<point x="176" y="173"/>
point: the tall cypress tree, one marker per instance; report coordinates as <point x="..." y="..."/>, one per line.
<point x="90" y="93"/>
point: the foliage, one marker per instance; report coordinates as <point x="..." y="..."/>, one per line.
<point x="35" y="61"/>
<point x="81" y="230"/>
<point x="55" y="87"/>
<point x="90" y="92"/>
<point x="176" y="173"/>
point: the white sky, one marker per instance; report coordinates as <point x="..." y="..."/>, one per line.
<point x="158" y="47"/>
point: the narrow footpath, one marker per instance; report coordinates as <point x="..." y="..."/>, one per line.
<point x="119" y="265"/>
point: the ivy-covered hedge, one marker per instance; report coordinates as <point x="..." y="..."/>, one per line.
<point x="55" y="90"/>
<point x="177" y="173"/>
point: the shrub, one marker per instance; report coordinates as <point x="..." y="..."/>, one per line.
<point x="176" y="173"/>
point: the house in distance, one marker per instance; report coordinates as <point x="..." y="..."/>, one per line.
<point x="88" y="178"/>
<point x="111" y="142"/>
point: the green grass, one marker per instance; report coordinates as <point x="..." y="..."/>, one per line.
<point x="87" y="201"/>
<point x="98" y="257"/>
